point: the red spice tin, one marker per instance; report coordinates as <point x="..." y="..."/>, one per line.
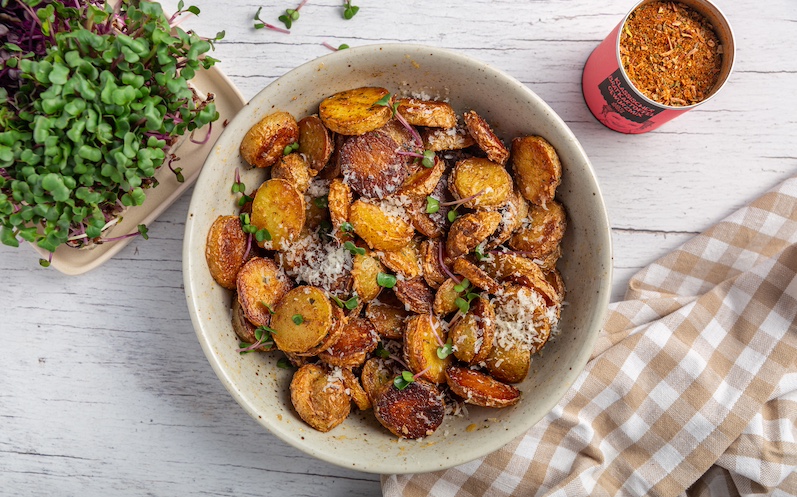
<point x="612" y="97"/>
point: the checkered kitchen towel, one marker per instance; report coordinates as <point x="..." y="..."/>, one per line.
<point x="692" y="387"/>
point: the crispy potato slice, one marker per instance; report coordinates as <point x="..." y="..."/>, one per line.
<point x="356" y="391"/>
<point x="538" y="171"/>
<point x="423" y="181"/>
<point x="315" y="142"/>
<point x="445" y="297"/>
<point x="473" y="334"/>
<point x="365" y="269"/>
<point x="332" y="168"/>
<point x="260" y="284"/>
<point x="406" y="261"/>
<point x="518" y="269"/>
<point x="480" y="389"/>
<point x="357" y="341"/>
<point x="522" y="319"/>
<point x="381" y="225"/>
<point x="293" y="169"/>
<point x="402" y="136"/>
<point x="298" y="361"/>
<point x="428" y="113"/>
<point x="415" y="294"/>
<point x="429" y="225"/>
<point x="487" y="182"/>
<point x="485" y="138"/>
<point x="541" y="235"/>
<point x="355" y="112"/>
<point x="244" y="328"/>
<point x="548" y="262"/>
<point x="433" y="272"/>
<point x="371" y="165"/>
<point x="508" y="364"/>
<point x="470" y="230"/>
<point x="339" y="201"/>
<point x="279" y="208"/>
<point x="387" y="317"/>
<point x="375" y="377"/>
<point x="339" y="321"/>
<point x="414" y="412"/>
<point x="474" y="274"/>
<point x="319" y="397"/>
<point x="264" y="143"/>
<point x="438" y="140"/>
<point x="316" y="312"/>
<point x="422" y="336"/>
<point x="554" y="278"/>
<point x="225" y="249"/>
<point x="512" y="216"/>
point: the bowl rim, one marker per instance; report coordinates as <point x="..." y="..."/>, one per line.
<point x="405" y="466"/>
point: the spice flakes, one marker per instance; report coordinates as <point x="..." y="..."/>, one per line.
<point x="670" y="53"/>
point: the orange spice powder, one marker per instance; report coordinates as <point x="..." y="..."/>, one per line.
<point x="670" y="53"/>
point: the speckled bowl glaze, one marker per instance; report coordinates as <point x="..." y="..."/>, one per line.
<point x="513" y="110"/>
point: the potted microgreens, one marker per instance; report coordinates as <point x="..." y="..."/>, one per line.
<point x="95" y="97"/>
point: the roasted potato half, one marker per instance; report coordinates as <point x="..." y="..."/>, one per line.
<point x="381" y="225"/>
<point x="422" y="336"/>
<point x="474" y="274"/>
<point x="518" y="269"/>
<point x="356" y="390"/>
<point x="294" y="169"/>
<point x="279" y="208"/>
<point x="339" y="200"/>
<point x="371" y="165"/>
<point x="512" y="216"/>
<point x="473" y="334"/>
<point x="359" y="338"/>
<point x="319" y="397"/>
<point x="315" y="142"/>
<point x="355" y="112"/>
<point x="225" y="249"/>
<point x="263" y="145"/>
<point x="405" y="261"/>
<point x="429" y="113"/>
<point x="244" y="328"/>
<point x="508" y="363"/>
<point x="415" y="294"/>
<point x="484" y="182"/>
<point x="433" y="272"/>
<point x="302" y="319"/>
<point x="480" y="389"/>
<point x="470" y="230"/>
<point x="423" y="181"/>
<point x="260" y="284"/>
<point x="438" y="140"/>
<point x="485" y="138"/>
<point x="542" y="234"/>
<point x="375" y="377"/>
<point x="445" y="298"/>
<point x="414" y="412"/>
<point x="365" y="269"/>
<point x="537" y="168"/>
<point x="388" y="318"/>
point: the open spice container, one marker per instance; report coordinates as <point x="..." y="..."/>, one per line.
<point x="663" y="59"/>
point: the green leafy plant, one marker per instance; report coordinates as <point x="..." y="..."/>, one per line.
<point x="349" y="10"/>
<point x="385" y="280"/>
<point x="93" y="116"/>
<point x="346" y="304"/>
<point x="263" y="338"/>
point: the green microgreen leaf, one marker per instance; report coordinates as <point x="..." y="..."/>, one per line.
<point x="284" y="363"/>
<point x="479" y="251"/>
<point x="462" y="286"/>
<point x="297" y="319"/>
<point x="432" y="205"/>
<point x="321" y="202"/>
<point x="446" y="350"/>
<point x="428" y="159"/>
<point x="403" y="380"/>
<point x="347" y="304"/>
<point x="262" y="235"/>
<point x="290" y="148"/>
<point x="462" y="304"/>
<point x="384" y="101"/>
<point x="354" y="249"/>
<point x="452" y="215"/>
<point x="347" y="227"/>
<point x="349" y="10"/>
<point x="381" y="351"/>
<point x="143" y="231"/>
<point x="342" y="46"/>
<point x="385" y="280"/>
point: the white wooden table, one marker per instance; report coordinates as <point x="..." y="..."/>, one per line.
<point x="104" y="389"/>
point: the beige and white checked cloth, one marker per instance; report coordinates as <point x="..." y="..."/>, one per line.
<point x="691" y="389"/>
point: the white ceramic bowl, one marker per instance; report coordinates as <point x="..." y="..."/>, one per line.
<point x="513" y="110"/>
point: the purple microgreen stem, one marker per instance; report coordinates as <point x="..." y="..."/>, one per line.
<point x="443" y="265"/>
<point x="461" y="201"/>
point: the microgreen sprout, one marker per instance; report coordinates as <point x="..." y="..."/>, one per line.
<point x="463" y="303"/>
<point x="284" y="363"/>
<point x="297" y="319"/>
<point x="386" y="102"/>
<point x="452" y="215"/>
<point x="291" y="15"/>
<point x="403" y="380"/>
<point x="381" y="351"/>
<point x="347" y="304"/>
<point x="321" y="202"/>
<point x="270" y="308"/>
<point x="385" y="280"/>
<point x="479" y="251"/>
<point x="262" y="24"/>
<point x="432" y="205"/>
<point x="462" y="286"/>
<point x="262" y="338"/>
<point x="441" y="261"/>
<point x="445" y="350"/>
<point x="354" y="249"/>
<point x="342" y="46"/>
<point x="349" y="10"/>
<point x="290" y="148"/>
<point x="262" y="235"/>
<point x="347" y="227"/>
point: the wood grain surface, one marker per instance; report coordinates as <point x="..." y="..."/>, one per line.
<point x="104" y="389"/>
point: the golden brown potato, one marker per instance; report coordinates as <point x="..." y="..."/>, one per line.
<point x="381" y="225"/>
<point x="470" y="230"/>
<point x="339" y="201"/>
<point x="339" y="321"/>
<point x="244" y="329"/>
<point x="319" y="397"/>
<point x="422" y="336"/>
<point x="480" y="389"/>
<point x="357" y="341"/>
<point x="356" y="390"/>
<point x="265" y="142"/>
<point x="375" y="377"/>
<point x="293" y="169"/>
<point x="302" y="319"/>
<point x="414" y="412"/>
<point x="388" y="317"/>
<point x="438" y="140"/>
<point x="260" y="284"/>
<point x="538" y="171"/>
<point x="332" y="167"/>
<point x="508" y="364"/>
<point x="541" y="235"/>
<point x="518" y="269"/>
<point x="432" y="271"/>
<point x="445" y="297"/>
<point x="405" y="261"/>
<point x="428" y="113"/>
<point x="485" y="138"/>
<point x="371" y="165"/>
<point x="423" y="181"/>
<point x="365" y="269"/>
<point x="474" y="333"/>
<point x="548" y="263"/>
<point x="224" y="250"/>
<point x="474" y="274"/>
<point x="428" y="225"/>
<point x="415" y="294"/>
<point x="315" y="143"/>
<point x="523" y="319"/>
<point x="279" y="208"/>
<point x="512" y="216"/>
<point x="400" y="134"/>
<point x="355" y="112"/>
<point x="554" y="278"/>
<point x="487" y="182"/>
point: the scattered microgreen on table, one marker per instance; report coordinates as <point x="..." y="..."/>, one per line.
<point x="349" y="10"/>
